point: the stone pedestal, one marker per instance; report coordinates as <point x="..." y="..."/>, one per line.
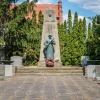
<point x="90" y="71"/>
<point x="8" y="70"/>
<point x="93" y="71"/>
<point x="17" y="61"/>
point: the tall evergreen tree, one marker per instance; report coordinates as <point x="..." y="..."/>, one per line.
<point x="65" y="26"/>
<point x="93" y="41"/>
<point x="84" y="25"/>
<point x="80" y="26"/>
<point x="75" y="23"/>
<point x="69" y="22"/>
<point x="40" y="19"/>
<point x="94" y="25"/>
<point x="34" y="17"/>
<point x="89" y="42"/>
<point x="96" y="40"/>
<point x="90" y="33"/>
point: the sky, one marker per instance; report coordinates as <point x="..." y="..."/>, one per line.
<point x="84" y="8"/>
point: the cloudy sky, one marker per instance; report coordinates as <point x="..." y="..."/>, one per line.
<point x="85" y="8"/>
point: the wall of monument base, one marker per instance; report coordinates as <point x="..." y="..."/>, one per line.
<point x="43" y="64"/>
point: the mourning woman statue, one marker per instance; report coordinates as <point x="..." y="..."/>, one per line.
<point x="49" y="51"/>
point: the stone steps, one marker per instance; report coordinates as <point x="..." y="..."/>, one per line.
<point x="49" y="68"/>
<point x="49" y="71"/>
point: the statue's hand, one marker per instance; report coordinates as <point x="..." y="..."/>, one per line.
<point x="53" y="41"/>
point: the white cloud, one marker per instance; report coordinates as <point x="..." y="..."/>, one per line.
<point x="38" y="2"/>
<point x="44" y="1"/>
<point x="65" y="17"/>
<point x="92" y="5"/>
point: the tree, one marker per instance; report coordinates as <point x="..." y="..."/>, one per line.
<point x="93" y="41"/>
<point x="23" y="35"/>
<point x="80" y="26"/>
<point x="94" y="25"/>
<point x="84" y="25"/>
<point x="90" y="33"/>
<point x="40" y="19"/>
<point x="69" y="22"/>
<point x="89" y="43"/>
<point x="75" y="23"/>
<point x="72" y="45"/>
<point x="5" y="10"/>
<point x="65" y="26"/>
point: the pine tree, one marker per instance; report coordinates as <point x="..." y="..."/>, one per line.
<point x="40" y="19"/>
<point x="98" y="26"/>
<point x="89" y="43"/>
<point x="34" y="17"/>
<point x="84" y="25"/>
<point x="94" y="25"/>
<point x="75" y="24"/>
<point x="65" y="26"/>
<point x="69" y="22"/>
<point x="78" y="47"/>
<point x="80" y="26"/>
<point x="90" y="33"/>
<point x="93" y="41"/>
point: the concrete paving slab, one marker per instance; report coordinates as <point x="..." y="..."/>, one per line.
<point x="49" y="88"/>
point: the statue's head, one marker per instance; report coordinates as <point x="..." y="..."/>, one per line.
<point x="50" y="36"/>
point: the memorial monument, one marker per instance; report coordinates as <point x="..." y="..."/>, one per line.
<point x="50" y="29"/>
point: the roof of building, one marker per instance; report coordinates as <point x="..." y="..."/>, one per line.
<point x="40" y="7"/>
<point x="43" y="7"/>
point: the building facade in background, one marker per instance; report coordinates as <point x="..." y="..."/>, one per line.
<point x="43" y="7"/>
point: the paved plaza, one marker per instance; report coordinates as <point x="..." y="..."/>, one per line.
<point x="49" y="88"/>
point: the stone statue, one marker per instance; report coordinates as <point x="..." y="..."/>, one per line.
<point x="49" y="51"/>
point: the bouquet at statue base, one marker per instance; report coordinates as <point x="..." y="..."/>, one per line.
<point x="49" y="62"/>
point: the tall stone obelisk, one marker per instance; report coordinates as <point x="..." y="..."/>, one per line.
<point x="50" y="27"/>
